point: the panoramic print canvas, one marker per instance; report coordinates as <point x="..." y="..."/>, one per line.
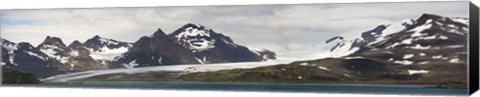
<point x="403" y="48"/>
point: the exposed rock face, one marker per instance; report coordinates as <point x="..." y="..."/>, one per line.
<point x="154" y="50"/>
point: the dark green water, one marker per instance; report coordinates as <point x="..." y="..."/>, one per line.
<point x="267" y="87"/>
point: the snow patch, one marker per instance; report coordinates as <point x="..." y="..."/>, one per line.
<point x="451" y="25"/>
<point x="424" y="62"/>
<point x="131" y="64"/>
<point x="50" y="52"/>
<point x="454" y="46"/>
<point x="456" y="60"/>
<point x="391" y="59"/>
<point x="304" y="64"/>
<point x="106" y="53"/>
<point x="323" y="68"/>
<point x="160" y="60"/>
<point x="417" y="30"/>
<point x="199" y="61"/>
<point x="355" y="57"/>
<point x="420" y="47"/>
<point x="198" y="43"/>
<point x="408" y="56"/>
<point x="202" y="45"/>
<point x="422" y="54"/>
<point x="256" y="50"/>
<point x="74" y="53"/>
<point x="11" y="47"/>
<point x="405" y="41"/>
<point x="417" y="71"/>
<point x="438" y="23"/>
<point x="443" y="37"/>
<point x="426" y="38"/>
<point x="437" y="57"/>
<point x="461" y="20"/>
<point x="36" y="55"/>
<point x="11" y="60"/>
<point x="418" y="34"/>
<point x="403" y="62"/>
<point x="300" y="77"/>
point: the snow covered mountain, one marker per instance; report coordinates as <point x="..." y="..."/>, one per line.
<point x="190" y="44"/>
<point x="209" y="46"/>
<point x="23" y="56"/>
<point x="430" y="38"/>
<point x="430" y="48"/>
<point x="72" y="57"/>
<point x="196" y="38"/>
<point x="428" y="32"/>
<point x="104" y="49"/>
<point x="55" y="48"/>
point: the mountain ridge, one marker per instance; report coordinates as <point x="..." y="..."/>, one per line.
<point x="98" y="53"/>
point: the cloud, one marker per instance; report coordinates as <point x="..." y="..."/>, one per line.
<point x="276" y="27"/>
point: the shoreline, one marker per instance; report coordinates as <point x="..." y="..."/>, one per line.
<point x="171" y="86"/>
<point x="358" y="84"/>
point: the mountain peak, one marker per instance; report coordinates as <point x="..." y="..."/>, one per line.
<point x="51" y="40"/>
<point x="96" y="37"/>
<point x="159" y="32"/>
<point x="194" y="37"/>
<point x="427" y="16"/>
<point x="25" y="45"/>
<point x="75" y="43"/>
<point x="198" y="26"/>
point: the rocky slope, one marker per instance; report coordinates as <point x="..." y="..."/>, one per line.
<point x="154" y="50"/>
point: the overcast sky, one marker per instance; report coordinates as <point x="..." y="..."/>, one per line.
<point x="275" y="27"/>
